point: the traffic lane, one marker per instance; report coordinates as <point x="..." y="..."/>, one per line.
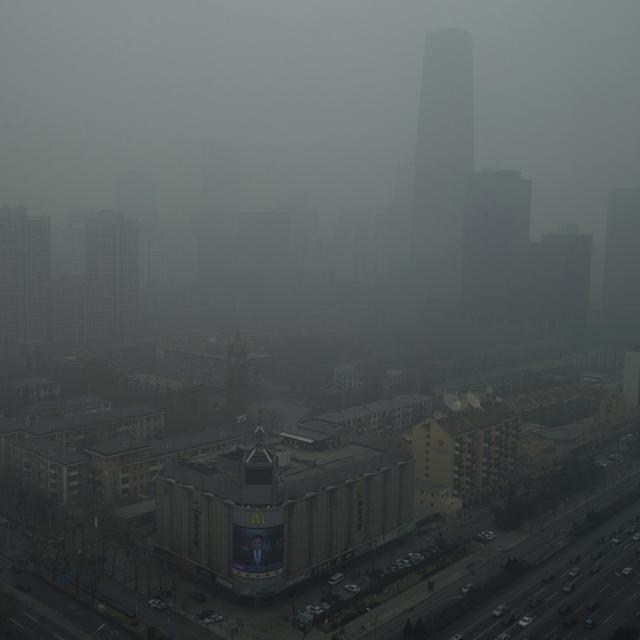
<point x="607" y="589"/>
<point x="81" y="617"/>
<point x="484" y="624"/>
<point x="37" y="627"/>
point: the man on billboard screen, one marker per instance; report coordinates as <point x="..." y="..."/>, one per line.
<point x="258" y="551"/>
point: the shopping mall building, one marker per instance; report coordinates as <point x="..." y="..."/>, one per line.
<point x="263" y="517"/>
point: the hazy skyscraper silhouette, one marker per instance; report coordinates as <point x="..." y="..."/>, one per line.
<point x="25" y="275"/>
<point x="444" y="159"/>
<point x="622" y="255"/>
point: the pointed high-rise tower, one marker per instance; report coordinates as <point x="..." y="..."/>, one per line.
<point x="444" y="160"/>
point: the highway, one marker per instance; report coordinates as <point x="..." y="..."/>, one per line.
<point x="617" y="596"/>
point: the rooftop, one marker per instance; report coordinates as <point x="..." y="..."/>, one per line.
<point x="53" y="451"/>
<point x="68" y="423"/>
<point x="380" y="406"/>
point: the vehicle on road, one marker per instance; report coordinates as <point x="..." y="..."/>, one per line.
<point x="636" y="537"/>
<point x="352" y="588"/>
<point x="526" y="621"/>
<point x="458" y="636"/>
<point x="575" y="572"/>
<point x="569" y="587"/>
<point x="503" y="636"/>
<point x="467" y="587"/>
<point x="590" y="623"/>
<point x="627" y="571"/>
<point x="615" y="541"/>
<point x="158" y="605"/>
<point x="335" y="579"/>
<point x="499" y="611"/>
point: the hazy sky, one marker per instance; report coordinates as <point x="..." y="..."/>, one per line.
<point x="314" y="97"/>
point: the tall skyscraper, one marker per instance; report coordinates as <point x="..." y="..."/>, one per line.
<point x="444" y="160"/>
<point x="25" y="274"/>
<point x="622" y="256"/>
<point x="112" y="270"/>
<point x="497" y="213"/>
<point x="559" y="284"/>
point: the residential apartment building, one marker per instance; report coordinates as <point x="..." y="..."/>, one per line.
<point x="475" y="453"/>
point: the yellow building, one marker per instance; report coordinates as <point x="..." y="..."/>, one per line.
<point x="474" y="453"/>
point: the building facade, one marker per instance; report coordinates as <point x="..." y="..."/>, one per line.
<point x="260" y="519"/>
<point x="25" y="274"/>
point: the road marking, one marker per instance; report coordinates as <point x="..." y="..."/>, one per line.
<point x="625" y="548"/>
<point x="552" y="630"/>
<point x="24" y="613"/>
<point x="635" y="595"/>
<point x="16" y="623"/>
<point x="539" y="592"/>
<point x="606" y="586"/>
<point x="552" y="596"/>
<point x="59" y="637"/>
<point x="617" y="592"/>
<point x="607" y="618"/>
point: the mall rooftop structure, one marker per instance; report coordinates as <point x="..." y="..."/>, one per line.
<point x="263" y="517"/>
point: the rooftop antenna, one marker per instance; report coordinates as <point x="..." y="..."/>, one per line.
<point x="473" y="400"/>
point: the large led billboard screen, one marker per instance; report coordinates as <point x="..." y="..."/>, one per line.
<point x="258" y="552"/>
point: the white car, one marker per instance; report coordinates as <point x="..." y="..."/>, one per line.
<point x="627" y="571"/>
<point x="353" y="588"/>
<point x="467" y="587"/>
<point x="636" y="537"/>
<point x="489" y="535"/>
<point x="499" y="611"/>
<point x="158" y="605"/>
<point x="503" y="636"/>
<point x="574" y="572"/>
<point x="526" y="621"/>
<point x="458" y="636"/>
<point x="314" y="610"/>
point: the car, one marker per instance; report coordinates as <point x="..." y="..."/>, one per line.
<point x="526" y="621"/>
<point x="499" y="611"/>
<point x="570" y="622"/>
<point x="198" y="597"/>
<point x="590" y="623"/>
<point x="636" y="537"/>
<point x="216" y="619"/>
<point x="325" y="606"/>
<point x="503" y="636"/>
<point x="615" y="541"/>
<point x="592" y="605"/>
<point x="25" y="588"/>
<point x="627" y="571"/>
<point x="509" y="620"/>
<point x="335" y="579"/>
<point x="352" y="588"/>
<point x="467" y="587"/>
<point x="489" y="535"/>
<point x="458" y="636"/>
<point x="564" y="609"/>
<point x="158" y="605"/>
<point x="569" y="587"/>
<point x="548" y="578"/>
<point x="574" y="572"/>
<point x="314" y="610"/>
<point x="536" y="602"/>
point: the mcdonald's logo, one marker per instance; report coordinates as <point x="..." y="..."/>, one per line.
<point x="257" y="518"/>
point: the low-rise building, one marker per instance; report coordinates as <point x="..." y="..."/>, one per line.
<point x="395" y="414"/>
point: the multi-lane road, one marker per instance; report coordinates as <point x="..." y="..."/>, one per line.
<point x="605" y="595"/>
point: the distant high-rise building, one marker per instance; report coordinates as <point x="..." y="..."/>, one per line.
<point x="25" y="274"/>
<point x="236" y="377"/>
<point x="112" y="270"/>
<point x="622" y="256"/>
<point x="444" y="160"/>
<point x="136" y="198"/>
<point x="497" y="214"/>
<point x="559" y="284"/>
